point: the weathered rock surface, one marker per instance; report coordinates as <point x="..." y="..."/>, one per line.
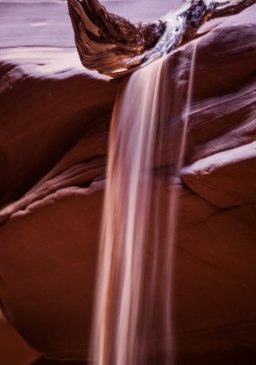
<point x="53" y="144"/>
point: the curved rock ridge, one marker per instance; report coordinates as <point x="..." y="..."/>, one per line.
<point x="53" y="147"/>
<point x="48" y="121"/>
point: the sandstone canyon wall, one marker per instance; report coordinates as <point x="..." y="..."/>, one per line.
<point x="54" y="126"/>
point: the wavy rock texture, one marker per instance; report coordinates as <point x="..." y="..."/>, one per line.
<point x="53" y="144"/>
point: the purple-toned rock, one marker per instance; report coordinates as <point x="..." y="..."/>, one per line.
<point x="53" y="144"/>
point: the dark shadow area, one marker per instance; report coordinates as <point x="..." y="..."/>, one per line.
<point x="235" y="357"/>
<point x="238" y="356"/>
<point x="44" y="361"/>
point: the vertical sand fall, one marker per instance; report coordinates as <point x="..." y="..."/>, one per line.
<point x="132" y="322"/>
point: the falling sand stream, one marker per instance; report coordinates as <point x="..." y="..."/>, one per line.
<point x="132" y="323"/>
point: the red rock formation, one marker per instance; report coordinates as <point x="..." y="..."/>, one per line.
<point x="53" y="143"/>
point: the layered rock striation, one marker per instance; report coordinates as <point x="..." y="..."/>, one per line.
<point x="54" y="126"/>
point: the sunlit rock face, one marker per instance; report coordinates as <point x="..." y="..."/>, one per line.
<point x="54" y="126"/>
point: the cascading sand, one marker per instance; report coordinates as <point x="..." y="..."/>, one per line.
<point x="132" y="323"/>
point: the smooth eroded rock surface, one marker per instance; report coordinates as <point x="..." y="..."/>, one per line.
<point x="54" y="126"/>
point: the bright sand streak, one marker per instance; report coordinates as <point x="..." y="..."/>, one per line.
<point x="132" y="313"/>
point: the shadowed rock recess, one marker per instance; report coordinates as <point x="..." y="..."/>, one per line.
<point x="54" y="125"/>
